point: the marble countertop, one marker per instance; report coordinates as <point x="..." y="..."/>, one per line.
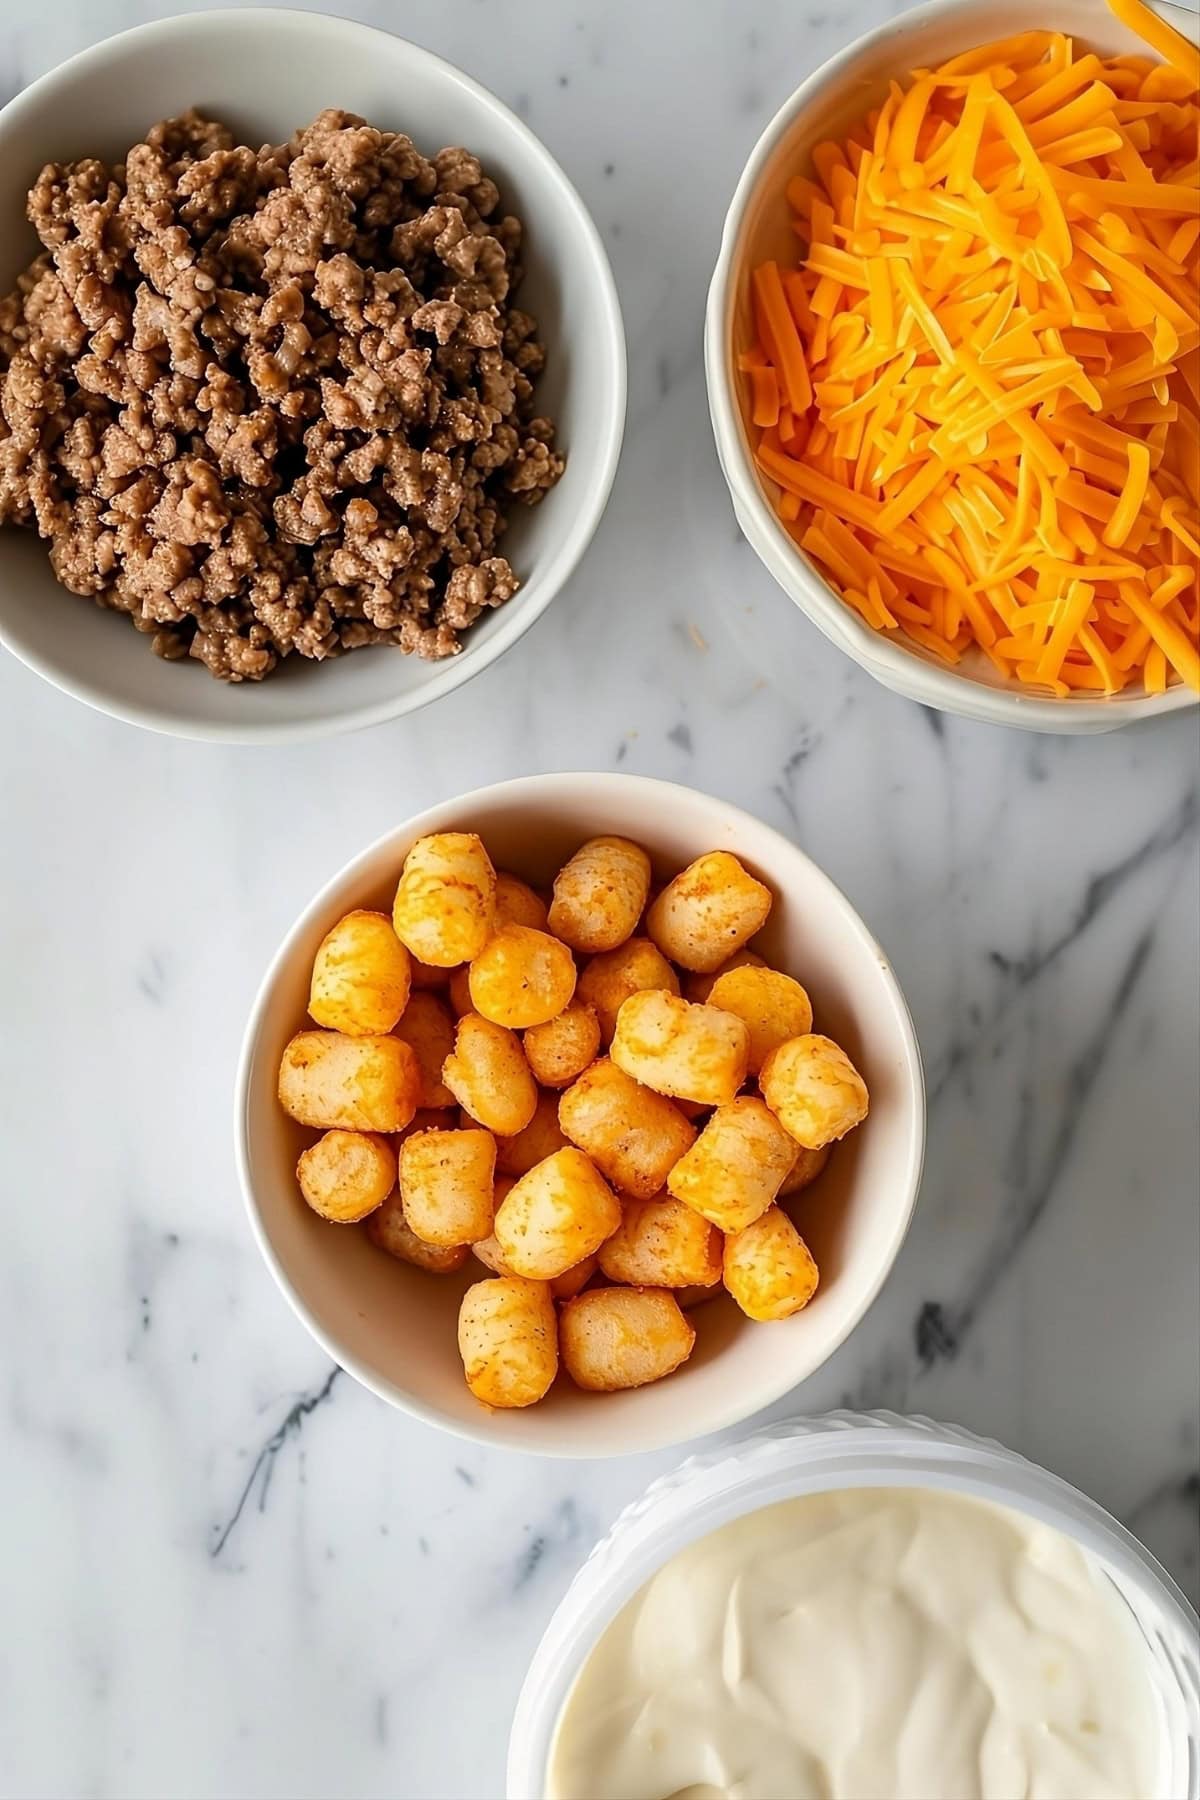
<point x="225" y="1569"/>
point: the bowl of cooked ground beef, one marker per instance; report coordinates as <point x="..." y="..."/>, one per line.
<point x="312" y="376"/>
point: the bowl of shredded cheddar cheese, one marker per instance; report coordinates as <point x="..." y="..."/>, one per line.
<point x="953" y="358"/>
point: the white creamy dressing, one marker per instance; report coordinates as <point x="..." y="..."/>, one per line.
<point x="870" y="1644"/>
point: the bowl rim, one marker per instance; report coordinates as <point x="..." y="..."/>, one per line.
<point x="486" y="1430"/>
<point x="788" y="1459"/>
<point x="890" y="662"/>
<point x="609" y="349"/>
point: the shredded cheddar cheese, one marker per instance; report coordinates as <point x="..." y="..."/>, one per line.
<point x="978" y="393"/>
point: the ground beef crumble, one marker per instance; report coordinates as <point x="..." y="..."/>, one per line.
<point x="273" y="401"/>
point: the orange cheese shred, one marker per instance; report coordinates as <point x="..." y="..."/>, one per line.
<point x="782" y="346"/>
<point x="976" y="394"/>
<point x="1170" y="44"/>
<point x="1133" y="493"/>
<point x="764" y="384"/>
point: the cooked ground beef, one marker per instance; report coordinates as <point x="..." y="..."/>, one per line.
<point x="273" y="400"/>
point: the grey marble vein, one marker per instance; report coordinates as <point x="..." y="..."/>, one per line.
<point x="941" y="1330"/>
<point x="263" y="1467"/>
<point x="1176" y="830"/>
<point x="219" y="1581"/>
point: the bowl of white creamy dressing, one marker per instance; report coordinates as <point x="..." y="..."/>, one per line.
<point x="863" y="1607"/>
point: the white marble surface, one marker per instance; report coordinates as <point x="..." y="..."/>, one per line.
<point x="225" y="1571"/>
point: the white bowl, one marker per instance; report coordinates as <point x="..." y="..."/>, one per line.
<point x="265" y="72"/>
<point x="852" y="1450"/>
<point x="758" y="226"/>
<point x="394" y="1328"/>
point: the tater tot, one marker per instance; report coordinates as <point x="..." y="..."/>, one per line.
<point x="517" y="904"/>
<point x="694" y="1052"/>
<point x="488" y="1075"/>
<point x="710" y="910"/>
<point x="633" y="1136"/>
<point x="699" y="987"/>
<point x="814" y="1090"/>
<point x="425" y="976"/>
<point x="599" y="894"/>
<point x="459" y="986"/>
<point x="542" y="1136"/>
<point x="662" y="1243"/>
<point x="508" y="1340"/>
<point x="690" y="1297"/>
<point x="622" y="1337"/>
<point x="361" y="976"/>
<point x="521" y="978"/>
<point x="431" y="1118"/>
<point x="607" y="980"/>
<point x="807" y="1166"/>
<point x="488" y="1252"/>
<point x="487" y="1249"/>
<point x="737" y="1165"/>
<point x="573" y="1281"/>
<point x="346" y="1174"/>
<point x="332" y="1082"/>
<point x="428" y="1028"/>
<point x="445" y="905"/>
<point x="772" y="1007"/>
<point x="768" y="1268"/>
<point x="388" y="1228"/>
<point x="562" y="1048"/>
<point x="490" y="1255"/>
<point x="446" y="1185"/>
<point x="554" y="1216"/>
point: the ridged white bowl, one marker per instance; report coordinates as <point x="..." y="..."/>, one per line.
<point x="846" y="1450"/>
<point x="265" y="72"/>
<point x="393" y="1328"/>
<point x="758" y="226"/>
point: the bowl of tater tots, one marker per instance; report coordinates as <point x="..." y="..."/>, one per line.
<point x="581" y="1114"/>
